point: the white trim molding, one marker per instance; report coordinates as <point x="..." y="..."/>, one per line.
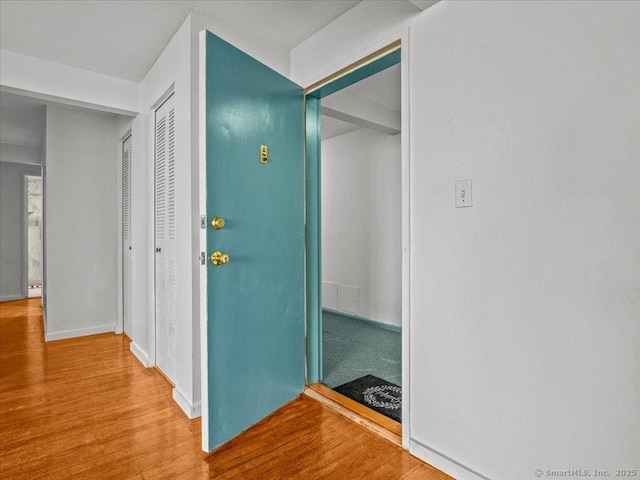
<point x="141" y="355"/>
<point x="202" y="186"/>
<point x="80" y="332"/>
<point x="442" y="462"/>
<point x="405" y="202"/>
<point x="55" y="82"/>
<point x="192" y="410"/>
<point x="12" y="298"/>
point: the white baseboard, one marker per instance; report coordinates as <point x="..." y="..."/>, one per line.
<point x="141" y="355"/>
<point x="192" y="410"/>
<point x="79" y="332"/>
<point x="11" y="298"/>
<point x="444" y="463"/>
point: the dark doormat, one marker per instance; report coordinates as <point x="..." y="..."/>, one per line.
<point x="375" y="393"/>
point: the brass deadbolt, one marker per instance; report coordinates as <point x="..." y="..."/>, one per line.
<point x="219" y="258"/>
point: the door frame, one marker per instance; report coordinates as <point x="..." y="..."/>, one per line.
<point x="25" y="235"/>
<point x="151" y="225"/>
<point x="25" y="231"/>
<point x="202" y="235"/>
<point x="120" y="251"/>
<point x="313" y="275"/>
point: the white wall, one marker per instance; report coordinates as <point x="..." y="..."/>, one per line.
<point x="361" y="228"/>
<point x="12" y="220"/>
<point x="526" y="307"/>
<point x="81" y="221"/>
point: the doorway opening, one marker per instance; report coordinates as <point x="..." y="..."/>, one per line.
<point x="355" y="238"/>
<point x="33" y="220"/>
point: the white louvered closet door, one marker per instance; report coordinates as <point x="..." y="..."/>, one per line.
<point x="165" y="238"/>
<point x="127" y="159"/>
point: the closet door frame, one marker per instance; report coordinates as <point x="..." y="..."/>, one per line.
<point x="127" y="251"/>
<point x="120" y="254"/>
<point x="151" y="225"/>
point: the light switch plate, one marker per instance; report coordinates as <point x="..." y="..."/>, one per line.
<point x="463" y="193"/>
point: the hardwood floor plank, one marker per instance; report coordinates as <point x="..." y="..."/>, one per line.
<point x="85" y="408"/>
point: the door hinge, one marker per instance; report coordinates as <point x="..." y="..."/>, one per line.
<point x="203" y="258"/>
<point x="203" y="222"/>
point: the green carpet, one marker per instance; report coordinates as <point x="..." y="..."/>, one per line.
<point x="352" y="349"/>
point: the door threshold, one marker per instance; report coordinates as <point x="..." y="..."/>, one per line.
<point x="368" y="418"/>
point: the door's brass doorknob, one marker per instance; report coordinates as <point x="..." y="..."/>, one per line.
<point x="217" y="223"/>
<point x="219" y="258"/>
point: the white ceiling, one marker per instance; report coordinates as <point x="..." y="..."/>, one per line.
<point x="123" y="38"/>
<point x="22" y="120"/>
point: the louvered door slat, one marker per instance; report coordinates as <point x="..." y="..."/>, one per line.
<point x="165" y="237"/>
<point x="127" y="159"/>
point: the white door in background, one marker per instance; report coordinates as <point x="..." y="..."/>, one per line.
<point x="165" y="239"/>
<point x="127" y="160"/>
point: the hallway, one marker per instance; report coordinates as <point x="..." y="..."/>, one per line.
<point x="85" y="408"/>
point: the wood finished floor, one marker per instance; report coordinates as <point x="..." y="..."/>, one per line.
<point x="86" y="409"/>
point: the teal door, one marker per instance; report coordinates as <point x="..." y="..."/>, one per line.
<point x="255" y="329"/>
